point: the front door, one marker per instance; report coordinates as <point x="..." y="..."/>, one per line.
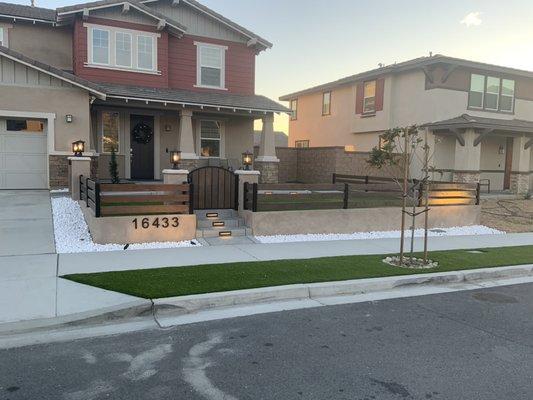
<point x="142" y="146"/>
<point x="508" y="164"/>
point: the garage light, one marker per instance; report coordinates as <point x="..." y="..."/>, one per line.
<point x="78" y="147"/>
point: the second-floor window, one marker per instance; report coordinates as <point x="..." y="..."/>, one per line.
<point x="211" y="65"/>
<point x="369" y="97"/>
<point x="124" y="49"/>
<point x="2" y="39"/>
<point x="491" y="93"/>
<point x="294" y="109"/>
<point x="326" y="103"/>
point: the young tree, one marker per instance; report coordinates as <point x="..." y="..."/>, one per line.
<point x="113" y="167"/>
<point x="399" y="148"/>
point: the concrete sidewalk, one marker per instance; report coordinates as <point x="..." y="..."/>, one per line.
<point x="137" y="259"/>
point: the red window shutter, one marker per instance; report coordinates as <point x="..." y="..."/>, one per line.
<point x="360" y="94"/>
<point x="380" y="90"/>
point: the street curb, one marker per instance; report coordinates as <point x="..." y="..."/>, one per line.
<point x="195" y="303"/>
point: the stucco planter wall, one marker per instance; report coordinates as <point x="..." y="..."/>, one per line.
<point x="353" y="220"/>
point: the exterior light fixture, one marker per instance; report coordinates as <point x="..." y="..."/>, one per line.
<point x="78" y="147"/>
<point x="175" y="158"/>
<point x="69" y="118"/>
<point x="247" y="160"/>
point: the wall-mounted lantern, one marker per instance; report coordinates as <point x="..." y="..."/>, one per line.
<point x="69" y="118"/>
<point x="247" y="160"/>
<point x="175" y="158"/>
<point x="78" y="147"/>
<point x="501" y="150"/>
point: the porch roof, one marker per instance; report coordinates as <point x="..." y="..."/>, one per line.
<point x="467" y="121"/>
<point x="218" y="100"/>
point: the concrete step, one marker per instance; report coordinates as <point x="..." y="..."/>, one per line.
<point x="219" y="223"/>
<point x="231" y="232"/>
<point x="216" y="214"/>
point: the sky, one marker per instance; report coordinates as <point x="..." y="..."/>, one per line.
<point x="317" y="41"/>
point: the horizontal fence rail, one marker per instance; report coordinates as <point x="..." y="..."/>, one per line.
<point x="107" y="199"/>
<point x="355" y="192"/>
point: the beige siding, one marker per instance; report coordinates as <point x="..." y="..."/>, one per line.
<point x="44" y="43"/>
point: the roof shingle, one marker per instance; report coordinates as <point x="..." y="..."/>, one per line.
<point x="17" y="10"/>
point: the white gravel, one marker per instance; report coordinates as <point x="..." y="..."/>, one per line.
<point x="455" y="231"/>
<point x="72" y="234"/>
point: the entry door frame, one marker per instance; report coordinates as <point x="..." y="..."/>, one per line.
<point x="508" y="163"/>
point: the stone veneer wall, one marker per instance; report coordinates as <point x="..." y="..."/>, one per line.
<point x="58" y="170"/>
<point x="318" y="164"/>
<point x="269" y="171"/>
<point x="520" y="182"/>
<point x="466" y="176"/>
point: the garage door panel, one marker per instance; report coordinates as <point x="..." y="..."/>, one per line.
<point x="25" y="143"/>
<point x="25" y="162"/>
<point x="21" y="180"/>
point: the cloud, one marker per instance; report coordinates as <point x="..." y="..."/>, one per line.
<point x="472" y="19"/>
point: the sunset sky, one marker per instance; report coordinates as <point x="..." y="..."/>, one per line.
<point x="318" y="41"/>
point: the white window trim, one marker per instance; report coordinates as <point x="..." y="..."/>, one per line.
<point x="3" y="36"/>
<point x="369" y="97"/>
<point x="324" y="114"/>
<point x="101" y="130"/>
<point x="112" y="65"/>
<point x="294" y="111"/>
<point x="154" y="54"/>
<point x="131" y="49"/>
<point x="492" y="93"/>
<point x="222" y="138"/>
<point x="477" y="91"/>
<point x="90" y="46"/>
<point x="223" y="49"/>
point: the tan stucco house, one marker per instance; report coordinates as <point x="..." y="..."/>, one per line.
<point x="142" y="77"/>
<point x="479" y="116"/>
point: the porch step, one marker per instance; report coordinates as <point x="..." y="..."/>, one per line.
<point x="216" y="214"/>
<point x="218" y="223"/>
<point x="232" y="232"/>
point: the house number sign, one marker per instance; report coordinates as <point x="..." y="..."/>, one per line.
<point x="158" y="223"/>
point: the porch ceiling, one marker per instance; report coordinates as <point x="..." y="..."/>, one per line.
<point x="466" y="121"/>
<point x="214" y="100"/>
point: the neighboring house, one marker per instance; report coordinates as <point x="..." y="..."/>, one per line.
<point x="143" y="77"/>
<point x="281" y="139"/>
<point x="479" y="116"/>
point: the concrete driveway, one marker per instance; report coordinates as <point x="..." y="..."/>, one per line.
<point x="26" y="225"/>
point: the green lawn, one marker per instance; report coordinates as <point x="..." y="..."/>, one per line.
<point x="180" y="281"/>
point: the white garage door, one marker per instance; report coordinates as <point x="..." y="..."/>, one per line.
<point x="23" y="154"/>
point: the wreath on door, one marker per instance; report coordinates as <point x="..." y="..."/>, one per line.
<point x="142" y="133"/>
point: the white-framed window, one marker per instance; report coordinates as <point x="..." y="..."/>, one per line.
<point x="507" y="97"/>
<point x="100" y="46"/>
<point x="491" y="93"/>
<point x="369" y="97"/>
<point x="145" y="52"/>
<point x="477" y="91"/>
<point x="211" y="138"/>
<point x="294" y="109"/>
<point x="123" y="50"/>
<point x="211" y="65"/>
<point x="3" y="41"/>
<point x="326" y="103"/>
<point x="110" y="131"/>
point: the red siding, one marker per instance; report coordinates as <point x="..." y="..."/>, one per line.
<point x="240" y="65"/>
<point x="359" y="98"/>
<point x="380" y="91"/>
<point x="119" y="77"/>
<point x="176" y="61"/>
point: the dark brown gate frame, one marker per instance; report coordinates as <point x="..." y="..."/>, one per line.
<point x="206" y="183"/>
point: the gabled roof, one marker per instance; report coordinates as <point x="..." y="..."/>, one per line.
<point x="416" y="63"/>
<point x="27" y="12"/>
<point x="52" y="71"/>
<point x="186" y="97"/>
<point x="468" y="121"/>
<point x="114" y="3"/>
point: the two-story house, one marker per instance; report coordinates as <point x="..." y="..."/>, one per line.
<point x="479" y="117"/>
<point x="140" y="77"/>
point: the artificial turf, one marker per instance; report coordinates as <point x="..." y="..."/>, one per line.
<point x="180" y="281"/>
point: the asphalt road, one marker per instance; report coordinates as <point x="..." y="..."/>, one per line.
<point x="459" y="346"/>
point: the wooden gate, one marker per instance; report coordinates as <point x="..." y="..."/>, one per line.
<point x="214" y="188"/>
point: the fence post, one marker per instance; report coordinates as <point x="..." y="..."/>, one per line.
<point x="334" y="178"/>
<point x="245" y="196"/>
<point x="254" y="198"/>
<point x="191" y="198"/>
<point x="86" y="192"/>
<point x="97" y="199"/>
<point x="236" y="208"/>
<point x="81" y="185"/>
<point x="478" y="194"/>
<point x="346" y="194"/>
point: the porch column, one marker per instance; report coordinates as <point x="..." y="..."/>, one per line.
<point x="521" y="165"/>
<point x="186" y="144"/>
<point x="267" y="162"/>
<point x="467" y="158"/>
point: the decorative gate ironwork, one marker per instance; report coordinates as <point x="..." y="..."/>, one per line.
<point x="214" y="188"/>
